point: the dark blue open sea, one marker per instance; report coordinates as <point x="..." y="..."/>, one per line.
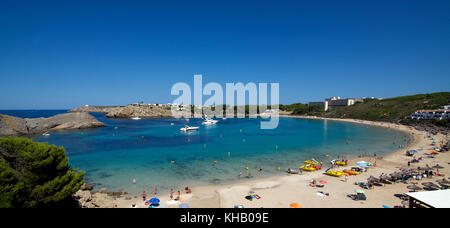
<point x="143" y="149"/>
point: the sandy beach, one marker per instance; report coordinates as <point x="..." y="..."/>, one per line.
<point x="280" y="191"/>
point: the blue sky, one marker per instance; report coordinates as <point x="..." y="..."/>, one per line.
<point x="64" y="54"/>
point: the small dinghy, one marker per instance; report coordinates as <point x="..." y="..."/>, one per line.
<point x="292" y="171"/>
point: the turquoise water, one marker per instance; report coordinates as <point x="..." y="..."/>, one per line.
<point x="143" y="149"/>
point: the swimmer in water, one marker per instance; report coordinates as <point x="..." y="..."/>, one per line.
<point x="134" y="180"/>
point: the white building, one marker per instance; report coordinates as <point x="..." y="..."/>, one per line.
<point x="336" y="102"/>
<point x="436" y="114"/>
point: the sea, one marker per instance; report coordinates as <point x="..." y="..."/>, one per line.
<point x="155" y="152"/>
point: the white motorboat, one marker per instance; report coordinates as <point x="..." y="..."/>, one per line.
<point x="210" y="121"/>
<point x="46" y="134"/>
<point x="135" y="118"/>
<point x="189" y="128"/>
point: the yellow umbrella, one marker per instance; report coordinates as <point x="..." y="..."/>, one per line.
<point x="295" y="205"/>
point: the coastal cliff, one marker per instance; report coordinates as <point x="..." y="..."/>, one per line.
<point x="129" y="111"/>
<point x="10" y="125"/>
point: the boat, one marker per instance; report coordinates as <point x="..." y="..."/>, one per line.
<point x="189" y="128"/>
<point x="46" y="134"/>
<point x="292" y="171"/>
<point x="311" y="162"/>
<point x="351" y="172"/>
<point x="209" y="121"/>
<point x="337" y="162"/>
<point x="307" y="168"/>
<point x="336" y="173"/>
<point x="135" y="118"/>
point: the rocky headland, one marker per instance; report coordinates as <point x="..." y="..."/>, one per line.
<point x="14" y="126"/>
<point x="129" y="111"/>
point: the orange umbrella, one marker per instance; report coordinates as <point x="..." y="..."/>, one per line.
<point x="295" y="205"/>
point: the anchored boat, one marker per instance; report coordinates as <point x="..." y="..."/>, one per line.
<point x="188" y="128"/>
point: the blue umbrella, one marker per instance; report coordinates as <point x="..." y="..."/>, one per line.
<point x="183" y="205"/>
<point x="154" y="201"/>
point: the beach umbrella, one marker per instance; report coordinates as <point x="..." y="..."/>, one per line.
<point x="295" y="205"/>
<point x="154" y="201"/>
<point x="323" y="182"/>
<point x="251" y="193"/>
<point x="437" y="167"/>
<point x="359" y="191"/>
<point x="183" y="205"/>
<point x="414" y="187"/>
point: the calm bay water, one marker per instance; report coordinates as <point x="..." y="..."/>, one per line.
<point x="143" y="149"/>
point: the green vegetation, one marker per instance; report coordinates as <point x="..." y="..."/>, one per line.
<point x="35" y="175"/>
<point x="391" y="109"/>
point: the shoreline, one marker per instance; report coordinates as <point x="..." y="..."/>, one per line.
<point x="280" y="190"/>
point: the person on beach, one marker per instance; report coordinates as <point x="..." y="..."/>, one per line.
<point x="178" y="196"/>
<point x="240" y="174"/>
<point x="260" y="170"/>
<point x="171" y="194"/>
<point x="188" y="190"/>
<point x="156" y="190"/>
<point x="144" y="195"/>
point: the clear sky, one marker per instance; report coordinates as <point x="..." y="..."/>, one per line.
<point x="64" y="54"/>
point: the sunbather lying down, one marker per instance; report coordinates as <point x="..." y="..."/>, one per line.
<point x="320" y="193"/>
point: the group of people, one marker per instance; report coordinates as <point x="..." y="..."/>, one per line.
<point x="144" y="194"/>
<point x="178" y="198"/>
<point x="187" y="190"/>
<point x="249" y="174"/>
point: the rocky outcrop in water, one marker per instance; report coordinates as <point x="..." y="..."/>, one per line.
<point x="129" y="111"/>
<point x="10" y="125"/>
